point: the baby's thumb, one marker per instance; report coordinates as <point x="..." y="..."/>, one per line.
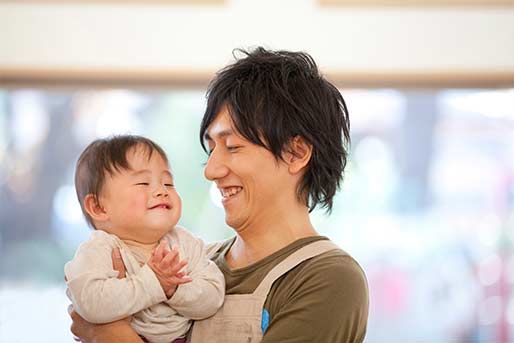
<point x="117" y="263"/>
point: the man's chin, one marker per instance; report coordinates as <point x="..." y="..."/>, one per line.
<point x="234" y="223"/>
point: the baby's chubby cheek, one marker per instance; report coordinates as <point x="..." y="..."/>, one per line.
<point x="137" y="204"/>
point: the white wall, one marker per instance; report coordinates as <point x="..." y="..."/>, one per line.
<point x="131" y="36"/>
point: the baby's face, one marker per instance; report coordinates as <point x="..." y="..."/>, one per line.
<point x="141" y="202"/>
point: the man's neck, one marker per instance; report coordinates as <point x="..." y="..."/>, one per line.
<point x="262" y="239"/>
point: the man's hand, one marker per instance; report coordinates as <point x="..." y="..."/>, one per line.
<point x="79" y="327"/>
<point x="167" y="266"/>
<point x="118" y="331"/>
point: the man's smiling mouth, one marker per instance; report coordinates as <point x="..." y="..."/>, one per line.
<point x="228" y="192"/>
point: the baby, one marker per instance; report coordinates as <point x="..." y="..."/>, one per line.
<point x="126" y="192"/>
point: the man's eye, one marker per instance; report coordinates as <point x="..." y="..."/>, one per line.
<point x="142" y="184"/>
<point x="233" y="148"/>
<point x="169" y="185"/>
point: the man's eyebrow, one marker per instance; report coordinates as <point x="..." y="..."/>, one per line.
<point x="219" y="135"/>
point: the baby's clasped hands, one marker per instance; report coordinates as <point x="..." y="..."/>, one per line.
<point x="167" y="266"/>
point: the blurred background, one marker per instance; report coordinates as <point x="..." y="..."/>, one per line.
<point x="427" y="205"/>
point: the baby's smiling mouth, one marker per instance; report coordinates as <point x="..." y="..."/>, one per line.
<point x="161" y="206"/>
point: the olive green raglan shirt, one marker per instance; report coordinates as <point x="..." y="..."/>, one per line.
<point x="323" y="299"/>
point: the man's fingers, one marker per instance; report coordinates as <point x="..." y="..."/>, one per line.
<point x="74" y="319"/>
<point x="117" y="263"/>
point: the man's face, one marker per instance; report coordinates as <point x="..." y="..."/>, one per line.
<point x="253" y="184"/>
<point x="141" y="202"/>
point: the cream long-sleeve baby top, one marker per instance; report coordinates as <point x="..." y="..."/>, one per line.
<point x="100" y="297"/>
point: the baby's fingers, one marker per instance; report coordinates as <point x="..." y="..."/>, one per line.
<point x="182" y="280"/>
<point x="159" y="252"/>
<point x="169" y="260"/>
<point x="177" y="267"/>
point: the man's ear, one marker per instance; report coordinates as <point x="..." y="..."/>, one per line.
<point x="94" y="209"/>
<point x="298" y="154"/>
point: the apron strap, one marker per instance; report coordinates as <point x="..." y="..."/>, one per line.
<point x="213" y="247"/>
<point x="302" y="254"/>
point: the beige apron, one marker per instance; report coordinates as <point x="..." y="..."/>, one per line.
<point x="239" y="319"/>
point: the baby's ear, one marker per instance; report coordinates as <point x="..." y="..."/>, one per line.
<point x="94" y="209"/>
<point x="297" y="154"/>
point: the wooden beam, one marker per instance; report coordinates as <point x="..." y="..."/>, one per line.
<point x="91" y="77"/>
<point x="423" y="79"/>
<point x="118" y="2"/>
<point x="416" y="3"/>
<point x="183" y="78"/>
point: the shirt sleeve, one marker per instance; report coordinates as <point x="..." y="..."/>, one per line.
<point x="326" y="302"/>
<point x="96" y="292"/>
<point x="204" y="295"/>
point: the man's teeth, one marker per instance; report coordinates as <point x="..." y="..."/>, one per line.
<point x="228" y="192"/>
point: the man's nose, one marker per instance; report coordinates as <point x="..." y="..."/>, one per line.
<point x="215" y="168"/>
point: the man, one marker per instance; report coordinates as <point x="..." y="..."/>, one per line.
<point x="277" y="135"/>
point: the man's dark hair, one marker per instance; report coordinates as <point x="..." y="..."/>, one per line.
<point x="274" y="96"/>
<point x="107" y="155"/>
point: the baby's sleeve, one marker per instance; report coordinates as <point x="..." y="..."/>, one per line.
<point x="96" y="292"/>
